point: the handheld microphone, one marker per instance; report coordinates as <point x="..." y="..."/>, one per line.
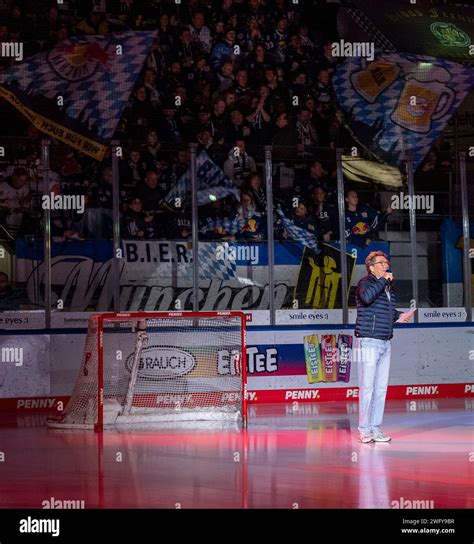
<point x="390" y="271"/>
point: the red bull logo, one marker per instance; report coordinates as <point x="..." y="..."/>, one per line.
<point x="77" y="61"/>
<point x="360" y="228"/>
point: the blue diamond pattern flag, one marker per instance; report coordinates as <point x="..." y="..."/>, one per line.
<point x="215" y="263"/>
<point x="228" y="226"/>
<point x="400" y="102"/>
<point x="298" y="234"/>
<point x="77" y="91"/>
<point x="212" y="182"/>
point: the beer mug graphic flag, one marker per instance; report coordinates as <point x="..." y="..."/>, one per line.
<point x="400" y="103"/>
<point x="77" y="91"/>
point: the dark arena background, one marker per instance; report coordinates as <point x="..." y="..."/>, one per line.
<point x="236" y="243"/>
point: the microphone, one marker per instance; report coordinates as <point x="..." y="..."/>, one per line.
<point x="390" y="281"/>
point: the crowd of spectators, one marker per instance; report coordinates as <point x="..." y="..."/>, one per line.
<point x="232" y="76"/>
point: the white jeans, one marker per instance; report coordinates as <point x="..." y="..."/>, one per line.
<point x="374" y="367"/>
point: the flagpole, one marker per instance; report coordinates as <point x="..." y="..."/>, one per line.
<point x="47" y="234"/>
<point x="270" y="240"/>
<point x="466" y="237"/>
<point x="116" y="225"/>
<point x="195" y="218"/>
<point x="412" y="215"/>
<point x="342" y="235"/>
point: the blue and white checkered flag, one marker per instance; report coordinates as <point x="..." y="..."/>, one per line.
<point x="211" y="182"/>
<point x="230" y="227"/>
<point x="298" y="234"/>
<point x="400" y="102"/>
<point x="216" y="261"/>
<point x="94" y="76"/>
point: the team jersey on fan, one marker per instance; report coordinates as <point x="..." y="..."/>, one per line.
<point x="362" y="224"/>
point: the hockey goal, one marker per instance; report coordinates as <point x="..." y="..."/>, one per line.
<point x="159" y="366"/>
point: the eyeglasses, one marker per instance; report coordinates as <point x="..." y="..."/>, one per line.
<point x="382" y="262"/>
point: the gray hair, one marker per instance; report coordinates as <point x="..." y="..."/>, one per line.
<point x="371" y="257"/>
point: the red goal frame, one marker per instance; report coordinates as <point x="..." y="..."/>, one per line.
<point x="98" y="427"/>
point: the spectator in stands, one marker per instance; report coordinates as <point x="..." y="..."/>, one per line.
<point x="254" y="185"/>
<point x="240" y="86"/>
<point x="260" y="122"/>
<point x="307" y="134"/>
<point x="185" y="50"/>
<point x="140" y="113"/>
<point x="133" y="169"/>
<point x="238" y="127"/>
<point x="219" y="116"/>
<point x="178" y="225"/>
<point x="15" y="198"/>
<point x="300" y="217"/>
<point x="93" y="24"/>
<point x="325" y="215"/>
<point x="166" y="35"/>
<point x="212" y="219"/>
<point x="225" y="77"/>
<point x="285" y="139"/>
<point x="9" y="300"/>
<point x="179" y="166"/>
<point x="278" y="91"/>
<point x="204" y="121"/>
<point x="300" y="87"/>
<point x="150" y="84"/>
<point x="168" y="128"/>
<point x="323" y="90"/>
<point x="223" y="50"/>
<point x="252" y="224"/>
<point x="200" y="33"/>
<point x="151" y="153"/>
<point x="49" y="26"/>
<point x="318" y="177"/>
<point x="306" y="42"/>
<point x="277" y="40"/>
<point x="151" y="192"/>
<point x="136" y="224"/>
<point x="257" y="62"/>
<point x="362" y="222"/>
<point x="156" y="59"/>
<point x="239" y="165"/>
<point x="297" y="58"/>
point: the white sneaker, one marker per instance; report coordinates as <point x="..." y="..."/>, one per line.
<point x="380" y="436"/>
<point x="365" y="438"/>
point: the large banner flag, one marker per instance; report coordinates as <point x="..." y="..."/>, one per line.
<point x="77" y="91"/>
<point x="213" y="184"/>
<point x="400" y="102"/>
